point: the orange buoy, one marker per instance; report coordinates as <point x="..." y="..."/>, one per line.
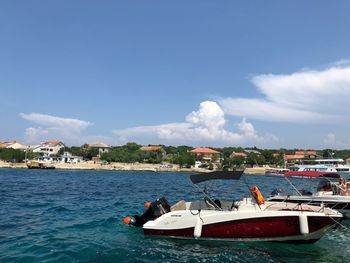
<point x="257" y="195"/>
<point x="127" y="220"/>
<point x="147" y="204"/>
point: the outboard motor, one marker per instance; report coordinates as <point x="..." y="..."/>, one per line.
<point x="305" y="192"/>
<point x="154" y="210"/>
<point x="276" y="191"/>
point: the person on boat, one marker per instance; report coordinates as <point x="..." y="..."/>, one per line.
<point x="343" y="186"/>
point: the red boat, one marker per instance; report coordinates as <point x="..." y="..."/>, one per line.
<point x="312" y="174"/>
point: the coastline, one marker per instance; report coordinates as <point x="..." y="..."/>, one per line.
<point x="89" y="165"/>
<point x="115" y="166"/>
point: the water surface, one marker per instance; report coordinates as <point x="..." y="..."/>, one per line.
<point x="76" y="216"/>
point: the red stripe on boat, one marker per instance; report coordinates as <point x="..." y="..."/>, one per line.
<point x="249" y="228"/>
<point x="312" y="174"/>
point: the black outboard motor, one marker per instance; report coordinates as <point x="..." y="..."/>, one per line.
<point x="155" y="210"/>
<point x="276" y="191"/>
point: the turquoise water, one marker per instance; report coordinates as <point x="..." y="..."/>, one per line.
<point x="76" y="216"/>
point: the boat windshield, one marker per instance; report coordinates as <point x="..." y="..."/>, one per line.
<point x="324" y="185"/>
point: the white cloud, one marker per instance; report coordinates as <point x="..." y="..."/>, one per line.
<point x="205" y="126"/>
<point x="53" y="121"/>
<point x="334" y="141"/>
<point x="330" y="139"/>
<point x="209" y="115"/>
<point x="33" y="135"/>
<point x="301" y="97"/>
<point x="53" y="128"/>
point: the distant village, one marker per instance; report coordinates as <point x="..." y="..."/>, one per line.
<point x="163" y="156"/>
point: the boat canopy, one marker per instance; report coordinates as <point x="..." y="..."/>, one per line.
<point x="217" y="175"/>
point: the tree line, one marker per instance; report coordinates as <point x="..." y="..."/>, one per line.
<point x="132" y="152"/>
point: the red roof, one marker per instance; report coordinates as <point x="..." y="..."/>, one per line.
<point x="204" y="151"/>
<point x="152" y="148"/>
<point x="294" y="156"/>
<point x="306" y="152"/>
<point x="5" y="144"/>
<point x="240" y="154"/>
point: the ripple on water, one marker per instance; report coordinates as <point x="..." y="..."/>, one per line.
<point x="76" y="216"/>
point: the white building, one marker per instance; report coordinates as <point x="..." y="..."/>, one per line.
<point x="18" y="146"/>
<point x="67" y="157"/>
<point x="49" y="148"/>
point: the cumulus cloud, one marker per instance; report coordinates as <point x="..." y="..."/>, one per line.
<point x="53" y="128"/>
<point x="204" y="126"/>
<point x="302" y="97"/>
<point x="333" y="141"/>
<point x="330" y="139"/>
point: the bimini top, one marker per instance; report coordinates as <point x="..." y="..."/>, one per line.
<point x="218" y="175"/>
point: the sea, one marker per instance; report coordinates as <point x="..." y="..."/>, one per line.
<point x="76" y="216"/>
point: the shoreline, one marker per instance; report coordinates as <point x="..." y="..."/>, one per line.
<point x="115" y="166"/>
<point x="109" y="167"/>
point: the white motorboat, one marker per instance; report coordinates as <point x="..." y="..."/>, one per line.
<point x="338" y="164"/>
<point x="312" y="171"/>
<point x="314" y="168"/>
<point x="249" y="219"/>
<point x="276" y="171"/>
<point x="335" y="195"/>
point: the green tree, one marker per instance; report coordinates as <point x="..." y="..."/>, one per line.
<point x="184" y="160"/>
<point x="11" y="155"/>
<point x="238" y="161"/>
<point x="251" y="159"/>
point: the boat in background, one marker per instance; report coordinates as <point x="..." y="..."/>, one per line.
<point x="39" y="165"/>
<point x="330" y="193"/>
<point x="312" y="171"/>
<point x="248" y="219"/>
<point x="276" y="171"/>
<point x="338" y="164"/>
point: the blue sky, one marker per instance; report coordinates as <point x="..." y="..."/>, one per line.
<point x="203" y="73"/>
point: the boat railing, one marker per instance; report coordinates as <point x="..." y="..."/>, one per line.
<point x="308" y="207"/>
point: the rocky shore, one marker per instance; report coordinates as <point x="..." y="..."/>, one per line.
<point x="126" y="167"/>
<point x="111" y="166"/>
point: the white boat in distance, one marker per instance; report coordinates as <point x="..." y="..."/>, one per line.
<point x="276" y="171"/>
<point x="338" y="164"/>
<point x="313" y="167"/>
<point x="249" y="219"/>
<point x="330" y="193"/>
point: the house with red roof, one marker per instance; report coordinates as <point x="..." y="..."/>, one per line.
<point x="49" y="147"/>
<point x="157" y="149"/>
<point x="299" y="156"/>
<point x="6" y="144"/>
<point x="152" y="148"/>
<point x="206" y="155"/>
<point x="238" y="154"/>
<point x="13" y="145"/>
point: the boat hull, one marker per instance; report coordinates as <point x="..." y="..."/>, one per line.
<point x="270" y="228"/>
<point x="39" y="165"/>
<point x="311" y="174"/>
<point x="42" y="167"/>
